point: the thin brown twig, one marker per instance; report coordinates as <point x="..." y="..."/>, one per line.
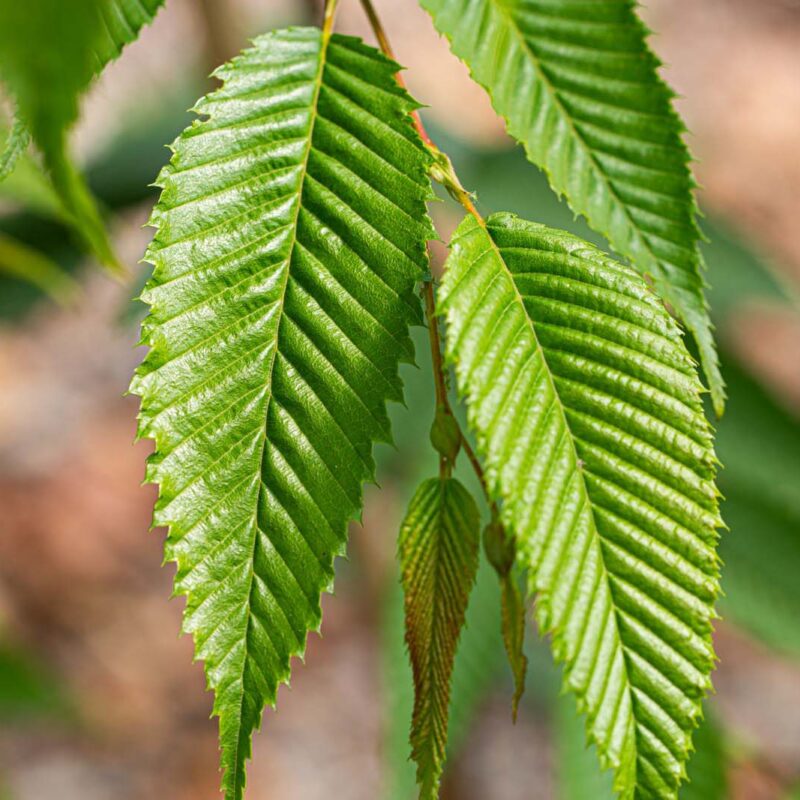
<point x="440" y="383"/>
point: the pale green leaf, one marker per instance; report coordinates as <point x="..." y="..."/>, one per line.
<point x="290" y="233"/>
<point x="14" y="147"/>
<point x="579" y="88"/>
<point x="438" y="548"/>
<point x="580" y="778"/>
<point x="588" y="417"/>
<point x="122" y="21"/>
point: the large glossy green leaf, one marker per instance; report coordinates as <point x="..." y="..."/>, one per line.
<point x="578" y="86"/>
<point x="579" y="777"/>
<point x="438" y="548"/>
<point x="291" y="231"/>
<point x="587" y="412"/>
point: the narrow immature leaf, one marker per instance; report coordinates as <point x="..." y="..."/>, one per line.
<point x="579" y="88"/>
<point x="290" y="233"/>
<point x="587" y="412"/>
<point x="513" y="623"/>
<point x="438" y="560"/>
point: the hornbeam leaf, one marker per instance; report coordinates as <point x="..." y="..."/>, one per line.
<point x="290" y="233"/>
<point x="588" y="417"/>
<point x="438" y="548"/>
<point x="579" y="88"/>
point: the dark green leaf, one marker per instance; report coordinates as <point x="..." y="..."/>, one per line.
<point x="291" y="231"/>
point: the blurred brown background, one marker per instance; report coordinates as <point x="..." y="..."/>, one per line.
<point x="118" y="710"/>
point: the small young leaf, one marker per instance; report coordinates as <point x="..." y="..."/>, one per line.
<point x="588" y="417"/>
<point x="438" y="548"/>
<point x="291" y="231"/>
<point x="579" y="88"/>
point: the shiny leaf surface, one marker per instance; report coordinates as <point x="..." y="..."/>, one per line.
<point x="291" y="230"/>
<point x="587" y="412"/>
<point x="579" y="88"/>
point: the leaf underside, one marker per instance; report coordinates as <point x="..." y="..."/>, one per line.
<point x="438" y="547"/>
<point x="579" y="88"/>
<point x="587" y="413"/>
<point x="291" y="230"/>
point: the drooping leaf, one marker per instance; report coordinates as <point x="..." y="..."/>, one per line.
<point x="579" y="88"/>
<point x="22" y="262"/>
<point x="122" y="21"/>
<point x="587" y="413"/>
<point x="290" y="233"/>
<point x="500" y="548"/>
<point x="478" y="666"/>
<point x="49" y="52"/>
<point x="438" y="548"/>
<point x="14" y="146"/>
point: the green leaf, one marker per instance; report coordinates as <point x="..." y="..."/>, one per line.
<point x="500" y="549"/>
<point x="578" y="773"/>
<point x="24" y="263"/>
<point x="291" y="231"/>
<point x="579" y="777"/>
<point x="49" y="52"/>
<point x="707" y="777"/>
<point x="16" y="144"/>
<point x="579" y="88"/>
<point x="478" y="667"/>
<point x="438" y="547"/>
<point x="588" y="417"/>
<point x="122" y="21"/>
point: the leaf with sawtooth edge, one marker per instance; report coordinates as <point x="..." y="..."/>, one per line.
<point x="579" y="88"/>
<point x="438" y="549"/>
<point x="587" y="413"/>
<point x="291" y="231"/>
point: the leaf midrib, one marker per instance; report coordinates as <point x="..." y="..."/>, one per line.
<point x="576" y="460"/>
<point x="325" y="40"/>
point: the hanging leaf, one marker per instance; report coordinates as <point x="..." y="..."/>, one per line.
<point x="438" y="548"/>
<point x="291" y="230"/>
<point x="579" y="88"/>
<point x="587" y="412"/>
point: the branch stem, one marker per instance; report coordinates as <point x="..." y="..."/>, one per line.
<point x="452" y="184"/>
